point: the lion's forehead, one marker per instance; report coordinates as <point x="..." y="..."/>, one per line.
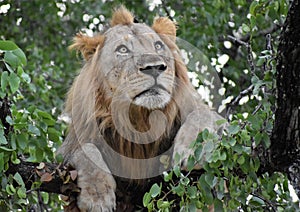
<point x="126" y="32"/>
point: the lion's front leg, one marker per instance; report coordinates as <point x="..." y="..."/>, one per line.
<point x="194" y="123"/>
<point x="94" y="179"/>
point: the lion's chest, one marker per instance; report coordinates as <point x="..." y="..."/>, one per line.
<point x="135" y="159"/>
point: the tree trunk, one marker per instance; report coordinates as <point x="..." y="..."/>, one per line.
<point x="285" y="141"/>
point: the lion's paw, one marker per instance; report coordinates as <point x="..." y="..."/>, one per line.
<point x="97" y="194"/>
<point x="91" y="199"/>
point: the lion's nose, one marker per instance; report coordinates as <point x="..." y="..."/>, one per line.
<point x="154" y="70"/>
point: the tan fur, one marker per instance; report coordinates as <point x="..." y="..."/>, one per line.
<point x="165" y="26"/>
<point x="121" y="16"/>
<point x="101" y="86"/>
<point x="87" y="45"/>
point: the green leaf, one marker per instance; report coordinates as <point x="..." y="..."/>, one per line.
<point x="253" y="7"/>
<point x="2" y="138"/>
<point x="245" y="28"/>
<point x="233" y="129"/>
<point x="7" y="45"/>
<point x="15" y="58"/>
<point x="4" y="80"/>
<point x="10" y="189"/>
<point x="53" y="134"/>
<point x="205" y="134"/>
<point x="14" y="82"/>
<point x="2" y="94"/>
<point x="25" y="77"/>
<point x="39" y="153"/>
<point x="210" y="179"/>
<point x="22" y="140"/>
<point x="155" y="190"/>
<point x="13" y="141"/>
<point x="34" y="130"/>
<point x="252" y="22"/>
<point x="257" y="201"/>
<point x="205" y="190"/>
<point x="198" y="153"/>
<point x="163" y="204"/>
<point x="21" y="192"/>
<point x="11" y="59"/>
<point x="17" y="177"/>
<point x="45" y="196"/>
<point x="221" y="121"/>
<point x="218" y="205"/>
<point x="223" y="156"/>
<point x="244" y="136"/>
<point x="44" y="114"/>
<point x="184" y="181"/>
<point x="168" y="176"/>
<point x="6" y="149"/>
<point x="146" y="199"/>
<point x="260" y="62"/>
<point x="177" y="170"/>
<point x="14" y="158"/>
<point x="177" y="158"/>
<point x="179" y="189"/>
<point x="49" y="122"/>
<point x="238" y="148"/>
<point x="209" y="146"/>
<point x="266" y="140"/>
<point x="32" y="152"/>
<point x="241" y="160"/>
<point x="190" y="163"/>
<point x="20" y="55"/>
<point x="2" y="162"/>
<point x="192" y="192"/>
<point x="9" y="120"/>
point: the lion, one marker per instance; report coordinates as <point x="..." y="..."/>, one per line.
<point x="131" y="106"/>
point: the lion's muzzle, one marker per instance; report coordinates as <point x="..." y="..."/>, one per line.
<point x="154" y="71"/>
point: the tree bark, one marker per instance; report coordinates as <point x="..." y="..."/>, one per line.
<point x="54" y="178"/>
<point x="285" y="140"/>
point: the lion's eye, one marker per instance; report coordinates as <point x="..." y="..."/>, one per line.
<point x="122" y="49"/>
<point x="158" y="45"/>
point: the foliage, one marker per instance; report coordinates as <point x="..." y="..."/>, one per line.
<point x="33" y="132"/>
<point x="34" y="86"/>
<point x="230" y="181"/>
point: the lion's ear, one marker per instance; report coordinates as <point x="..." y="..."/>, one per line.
<point x="121" y="16"/>
<point x="87" y="45"/>
<point x="165" y="26"/>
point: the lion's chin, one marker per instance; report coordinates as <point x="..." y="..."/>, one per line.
<point x="152" y="99"/>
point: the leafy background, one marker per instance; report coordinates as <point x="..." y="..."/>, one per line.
<point x="238" y="37"/>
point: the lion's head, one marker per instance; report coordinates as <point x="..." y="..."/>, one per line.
<point x="137" y="64"/>
<point x="134" y="60"/>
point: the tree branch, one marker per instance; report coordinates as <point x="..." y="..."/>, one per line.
<point x="54" y="178"/>
<point x="285" y="140"/>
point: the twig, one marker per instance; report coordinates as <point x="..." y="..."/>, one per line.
<point x="236" y="100"/>
<point x="239" y="41"/>
<point x="269" y="47"/>
<point x="257" y="108"/>
<point x="164" y="6"/>
<point x="249" y="50"/>
<point x="41" y="203"/>
<point x="271" y="204"/>
<point x="264" y="32"/>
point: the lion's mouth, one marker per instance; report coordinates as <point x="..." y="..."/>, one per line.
<point x="152" y="98"/>
<point x="152" y="91"/>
